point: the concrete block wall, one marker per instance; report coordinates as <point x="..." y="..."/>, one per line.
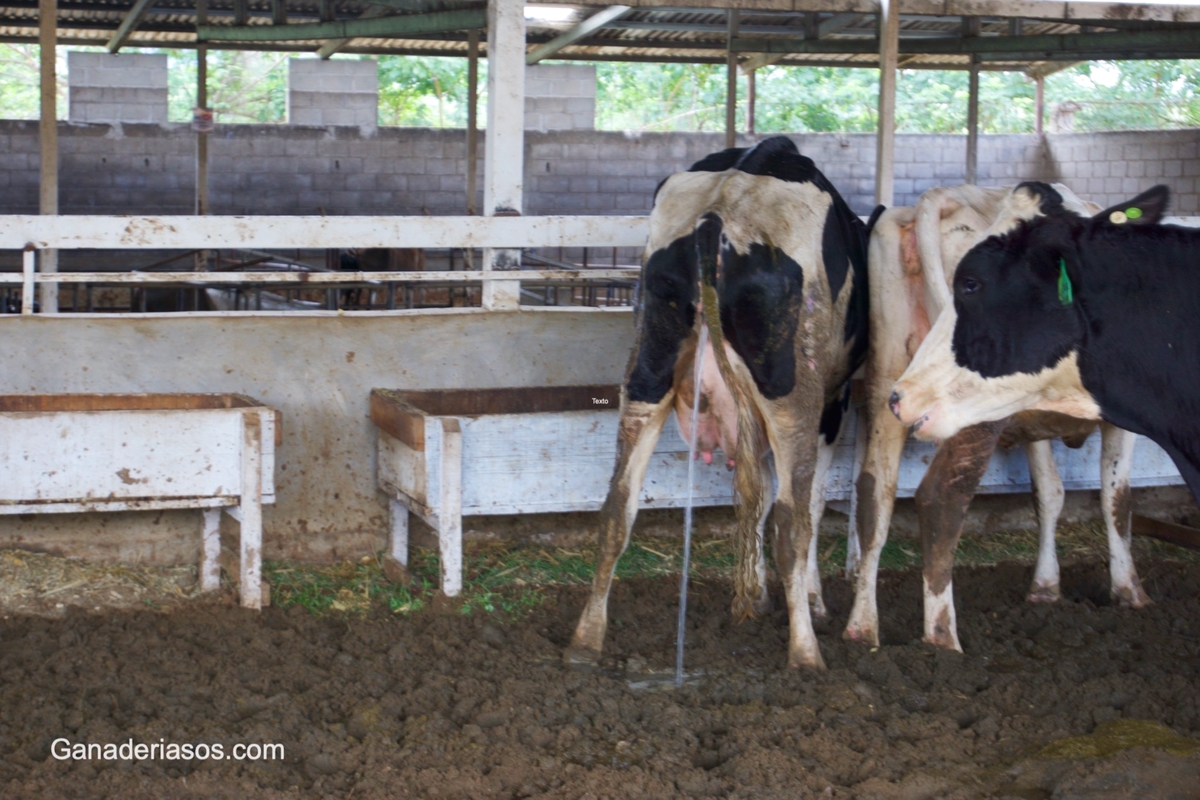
<point x="560" y="97"/>
<point x="116" y="88"/>
<point x="1112" y="167"/>
<point x="292" y="169"/>
<point x="335" y="92"/>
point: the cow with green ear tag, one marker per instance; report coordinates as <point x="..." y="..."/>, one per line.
<point x="1094" y="317"/>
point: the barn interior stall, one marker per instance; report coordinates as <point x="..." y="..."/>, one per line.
<point x="309" y="265"/>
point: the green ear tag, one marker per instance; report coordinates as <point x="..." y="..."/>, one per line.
<point x="1133" y="213"/>
<point x="1066" y="295"/>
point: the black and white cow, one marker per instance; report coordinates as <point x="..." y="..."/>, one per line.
<point x="914" y="253"/>
<point x="1094" y="317"/>
<point x="758" y="246"/>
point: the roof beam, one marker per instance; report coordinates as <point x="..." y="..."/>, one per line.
<point x="1040" y="46"/>
<point x="835" y="24"/>
<point x="395" y="26"/>
<point x="585" y="28"/>
<point x="333" y="45"/>
<point x="813" y="30"/>
<point x="1038" y="71"/>
<point x="131" y="21"/>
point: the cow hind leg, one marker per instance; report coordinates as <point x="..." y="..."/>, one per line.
<point x="794" y="524"/>
<point x="942" y="500"/>
<point x="639" y="428"/>
<point x="1116" y="505"/>
<point x="816" y="510"/>
<point x="1048" y="496"/>
<point x="875" y="493"/>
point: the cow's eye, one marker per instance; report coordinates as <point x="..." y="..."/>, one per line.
<point x="969" y="286"/>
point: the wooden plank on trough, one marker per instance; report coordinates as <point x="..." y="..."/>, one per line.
<point x="1180" y="535"/>
<point x="392" y="414"/>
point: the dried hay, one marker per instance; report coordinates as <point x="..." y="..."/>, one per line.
<point x="43" y="584"/>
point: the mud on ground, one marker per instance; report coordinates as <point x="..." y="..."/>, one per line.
<point x="453" y="705"/>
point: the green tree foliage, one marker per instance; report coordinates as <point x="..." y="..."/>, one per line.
<point x="426" y="92"/>
<point x="1130" y="94"/>
<point x="660" y="97"/>
<point x="20" y="97"/>
<point x="243" y="86"/>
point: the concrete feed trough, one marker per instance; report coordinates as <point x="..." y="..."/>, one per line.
<point x="69" y="453"/>
<point x="446" y="454"/>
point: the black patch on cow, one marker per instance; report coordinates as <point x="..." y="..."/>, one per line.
<point x="1049" y="200"/>
<point x="719" y="161"/>
<point x="990" y="297"/>
<point x="761" y="293"/>
<point x="833" y="414"/>
<point x="875" y="215"/>
<point x="666" y="314"/>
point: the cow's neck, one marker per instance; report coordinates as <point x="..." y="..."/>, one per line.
<point x="1140" y="299"/>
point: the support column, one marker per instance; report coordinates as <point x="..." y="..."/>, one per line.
<point x="885" y="143"/>
<point x="751" y="100"/>
<point x="201" y="102"/>
<point x="48" y="136"/>
<point x="504" y="162"/>
<point x="731" y="82"/>
<point x="1039" y="104"/>
<point x="971" y="27"/>
<point x="973" y="123"/>
<point x="472" y="119"/>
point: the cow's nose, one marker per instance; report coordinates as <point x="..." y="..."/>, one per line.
<point x="894" y="404"/>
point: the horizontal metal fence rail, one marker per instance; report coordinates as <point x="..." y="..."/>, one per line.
<point x="32" y="233"/>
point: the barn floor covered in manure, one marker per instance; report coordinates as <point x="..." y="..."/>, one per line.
<point x="1078" y="699"/>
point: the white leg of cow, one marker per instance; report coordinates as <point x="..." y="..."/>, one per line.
<point x="862" y="425"/>
<point x="876" y="492"/>
<point x="1048" y="498"/>
<point x="816" y="510"/>
<point x="639" y="429"/>
<point x="793" y="523"/>
<point x="1116" y="503"/>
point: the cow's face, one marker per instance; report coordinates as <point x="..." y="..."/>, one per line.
<point x="1012" y="341"/>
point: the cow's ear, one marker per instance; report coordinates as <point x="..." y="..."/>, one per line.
<point x="1043" y="196"/>
<point x="1145" y="209"/>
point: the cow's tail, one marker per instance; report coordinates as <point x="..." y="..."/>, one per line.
<point x="749" y="476"/>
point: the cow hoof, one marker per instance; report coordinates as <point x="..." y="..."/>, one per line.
<point x="1131" y="597"/>
<point x="806" y="661"/>
<point x="946" y="641"/>
<point x="1044" y="594"/>
<point x="867" y="636"/>
<point x="578" y="655"/>
<point x="817" y="608"/>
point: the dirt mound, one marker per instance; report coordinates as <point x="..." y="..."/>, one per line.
<point x="453" y="705"/>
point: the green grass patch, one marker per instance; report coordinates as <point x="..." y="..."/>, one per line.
<point x="509" y="581"/>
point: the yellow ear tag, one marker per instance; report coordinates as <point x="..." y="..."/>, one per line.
<point x="1118" y="218"/>
<point x="1133" y="213"/>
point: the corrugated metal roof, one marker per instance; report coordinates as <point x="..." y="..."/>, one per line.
<point x="817" y="33"/>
